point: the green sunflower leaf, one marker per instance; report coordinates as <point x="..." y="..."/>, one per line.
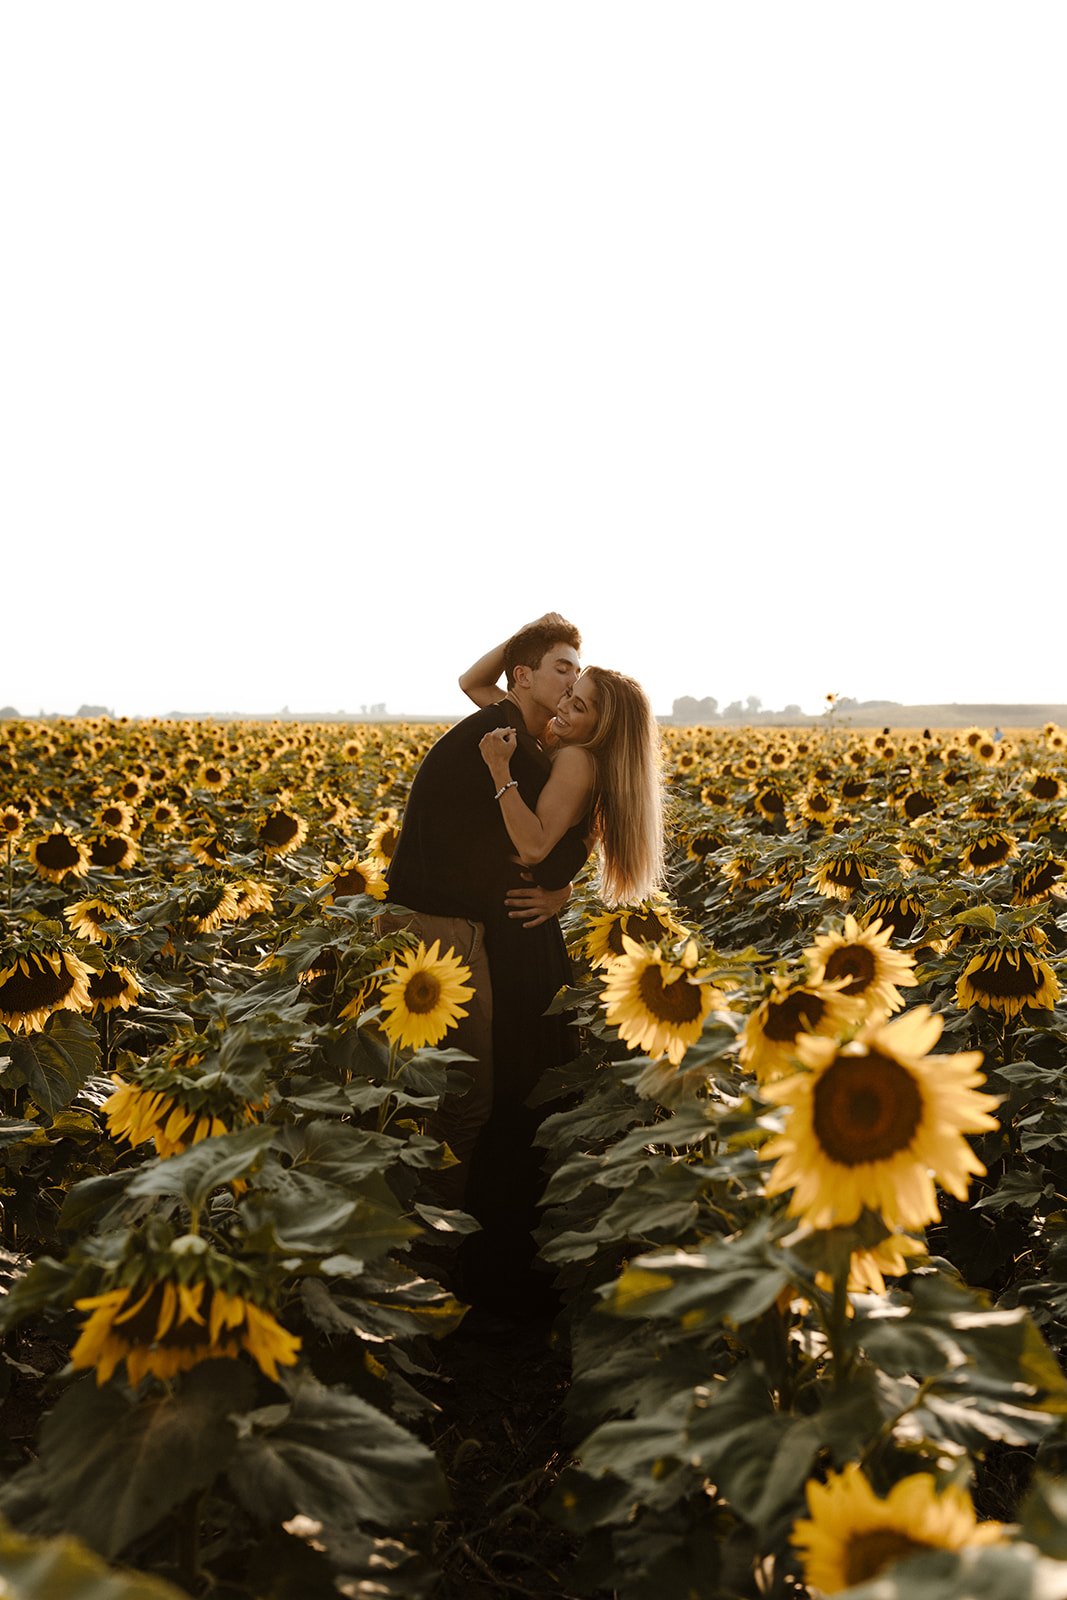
<point x="63" y="1569"/>
<point x="54" y="1063"/>
<point x="203" y="1167"/>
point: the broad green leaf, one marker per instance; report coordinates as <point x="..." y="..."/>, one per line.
<point x="111" y="1468"/>
<point x="339" y="1460"/>
<point x="14" y="1129"/>
<point x="56" y="1062"/>
<point x="204" y="1166"/>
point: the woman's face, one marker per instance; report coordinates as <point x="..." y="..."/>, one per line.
<point x="576" y="715"/>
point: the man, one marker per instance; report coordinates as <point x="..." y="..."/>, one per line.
<point x="454" y="864"/>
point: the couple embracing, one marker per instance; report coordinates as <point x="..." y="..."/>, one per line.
<point x="503" y="812"/>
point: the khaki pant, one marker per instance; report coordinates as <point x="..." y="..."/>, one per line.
<point x="459" y="1119"/>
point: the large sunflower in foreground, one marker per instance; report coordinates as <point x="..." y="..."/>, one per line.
<point x="771" y="1031"/>
<point x="863" y="959"/>
<point x="851" y="1535"/>
<point x="162" y="1328"/>
<point x="658" y="1005"/>
<point x="38" y="982"/>
<point x="873" y="1123"/>
<point x="424" y="996"/>
<point x="1006" y="981"/>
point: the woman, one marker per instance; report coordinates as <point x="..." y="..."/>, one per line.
<point x="605" y="781"/>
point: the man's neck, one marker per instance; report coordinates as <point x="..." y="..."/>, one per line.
<point x="533" y="716"/>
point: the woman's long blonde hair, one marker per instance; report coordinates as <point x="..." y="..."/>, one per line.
<point x="627" y="798"/>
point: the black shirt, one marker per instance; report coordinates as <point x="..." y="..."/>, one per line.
<point x="454" y="857"/>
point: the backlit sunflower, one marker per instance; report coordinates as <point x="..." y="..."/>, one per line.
<point x="86" y="918"/>
<point x="382" y="842"/>
<point x="1006" y="981"/>
<point x="281" y="832"/>
<point x="208" y="907"/>
<point x="354" y="877"/>
<point x="61" y="852"/>
<point x="851" y="1536"/>
<point x="658" y="1005"/>
<point x="423" y="998"/>
<point x="899" y="914"/>
<point x="771" y="800"/>
<point x="115" y="987"/>
<point x="704" y="843"/>
<point x="840" y="875"/>
<point x="649" y="924"/>
<point x="988" y="850"/>
<point x="161" y="1328"/>
<point x="862" y="957"/>
<point x="771" y="1031"/>
<point x="208" y="849"/>
<point x="116" y="816"/>
<point x="36" y="983"/>
<point x="875" y="1122"/>
<point x="1042" y="880"/>
<point x="175" y="1111"/>
<point x="1043" y="785"/>
<point x="916" y="801"/>
<point x="251" y="896"/>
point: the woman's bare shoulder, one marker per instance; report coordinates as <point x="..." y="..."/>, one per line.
<point x="573" y="762"/>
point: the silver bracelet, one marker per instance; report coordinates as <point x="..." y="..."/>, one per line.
<point x="512" y="784"/>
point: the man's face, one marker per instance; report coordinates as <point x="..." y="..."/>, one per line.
<point x="549" y="682"/>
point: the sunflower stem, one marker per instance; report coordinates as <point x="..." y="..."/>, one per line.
<point x="385" y="1112"/>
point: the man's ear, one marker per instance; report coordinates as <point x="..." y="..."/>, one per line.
<point x="522" y="676"/>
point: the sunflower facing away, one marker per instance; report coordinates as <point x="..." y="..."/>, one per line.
<point x="162" y="1329"/>
<point x="873" y="1123"/>
<point x="770" y="1033"/>
<point x="658" y="1005"/>
<point x="851" y="1535"/>
<point x="422" y="999"/>
<point x="34" y="985"/>
<point x="1006" y="981"/>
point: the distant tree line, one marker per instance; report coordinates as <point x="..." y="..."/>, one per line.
<point x="689" y="711"/>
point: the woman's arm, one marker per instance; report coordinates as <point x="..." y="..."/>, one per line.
<point x="481" y="682"/>
<point x="561" y="803"/>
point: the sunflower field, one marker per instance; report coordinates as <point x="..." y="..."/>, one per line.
<point x="806" y="1178"/>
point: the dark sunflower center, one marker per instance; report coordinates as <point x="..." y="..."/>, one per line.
<point x="111" y="816"/>
<point x="141" y="1328"/>
<point x="108" y="852"/>
<point x="350" y="882"/>
<point x="988" y="852"/>
<point x="865" y="1108"/>
<point x="27" y="991"/>
<point x="106" y="985"/>
<point x="705" y="843"/>
<point x="856" y="962"/>
<point x="793" y="1014"/>
<point x="870" y="1552"/>
<point x="901" y="916"/>
<point x="279" y="829"/>
<point x="675" y="1002"/>
<point x="1044" y="788"/>
<point x="1003" y="977"/>
<point x="918" y="804"/>
<point x="772" y="800"/>
<point x="57" y="851"/>
<point x="10" y="822"/>
<point x="845" y="874"/>
<point x="854" y="788"/>
<point x="643" y="926"/>
<point x="1041" y="879"/>
<point x="422" y="993"/>
<point x="387" y="843"/>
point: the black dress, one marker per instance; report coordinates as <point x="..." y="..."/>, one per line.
<point x="528" y="967"/>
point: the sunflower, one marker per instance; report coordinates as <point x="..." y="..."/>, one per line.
<point x="1042" y="880"/>
<point x="382" y="842"/>
<point x="899" y="914"/>
<point x="116" y="816"/>
<point x="35" y="984"/>
<point x="251" y="896"/>
<point x="650" y="924"/>
<point x="161" y="1328"/>
<point x="1043" y="785"/>
<point x="1007" y="981"/>
<point x="112" y="851"/>
<point x="658" y="1005"/>
<point x="86" y="918"/>
<point x="208" y="849"/>
<point x="175" y="1112"/>
<point x="12" y="823"/>
<point x="862" y="956"/>
<point x="973" y="738"/>
<point x="916" y="801"/>
<point x="61" y="852"/>
<point x="816" y="805"/>
<point x="209" y="906"/>
<point x="355" y="877"/>
<point x="770" y="800"/>
<point x="851" y="1536"/>
<point x="988" y="850"/>
<point x="873" y="1123"/>
<point x="839" y="876"/>
<point x="854" y="788"/>
<point x="281" y="832"/>
<point x="771" y="1031"/>
<point x="422" y="999"/>
<point x="212" y="777"/>
<point x="115" y="987"/>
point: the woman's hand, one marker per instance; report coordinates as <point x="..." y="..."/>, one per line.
<point x="497" y="748"/>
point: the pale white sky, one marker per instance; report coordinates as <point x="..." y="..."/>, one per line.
<point x="339" y="339"/>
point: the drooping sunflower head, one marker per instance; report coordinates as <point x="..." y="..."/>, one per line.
<point x="841" y="874"/>
<point x="1042" y="785"/>
<point x="36" y="982"/>
<point x="861" y="963"/>
<point x="112" y="988"/>
<point x="988" y="849"/>
<point x="354" y="877"/>
<point x="899" y="914"/>
<point x="87" y="918"/>
<point x="874" y="1122"/>
<point x="111" y="852"/>
<point x="648" y="924"/>
<point x="852" y="1537"/>
<point x="59" y="853"/>
<point x="382" y="842"/>
<point x="423" y="998"/>
<point x="791" y="1009"/>
<point x="1007" y="980"/>
<point x="281" y="832"/>
<point x="1043" y="879"/>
